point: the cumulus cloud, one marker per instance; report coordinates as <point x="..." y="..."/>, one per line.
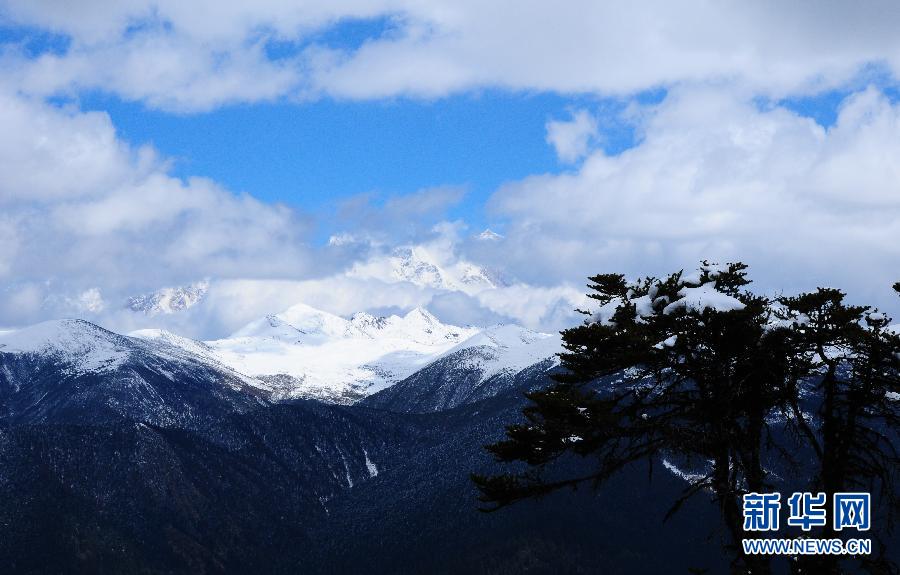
<point x="718" y="177"/>
<point x="87" y="218"/>
<point x="79" y="208"/>
<point x="571" y="138"/>
<point x="193" y="57"/>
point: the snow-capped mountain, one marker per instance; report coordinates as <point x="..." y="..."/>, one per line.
<point x="169" y="300"/>
<point x="301" y="352"/>
<point x="489" y="235"/>
<point x="305" y="352"/>
<point x="478" y="368"/>
<point x="74" y="371"/>
<point x="422" y="266"/>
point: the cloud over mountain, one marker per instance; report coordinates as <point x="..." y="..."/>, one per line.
<point x="721" y="165"/>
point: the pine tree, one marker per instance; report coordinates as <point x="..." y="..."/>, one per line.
<point x="702" y="369"/>
<point x="852" y="362"/>
<point x="695" y="369"/>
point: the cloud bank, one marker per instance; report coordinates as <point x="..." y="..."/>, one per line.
<point x="199" y="55"/>
<point x="83" y="213"/>
<point x="720" y="167"/>
<point x="716" y="176"/>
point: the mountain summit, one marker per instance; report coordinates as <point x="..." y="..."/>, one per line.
<point x="304" y="352"/>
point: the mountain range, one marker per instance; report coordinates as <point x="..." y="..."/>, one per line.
<point x="152" y="453"/>
<point x="428" y="267"/>
<point x="303" y="352"/>
<point x="307" y="442"/>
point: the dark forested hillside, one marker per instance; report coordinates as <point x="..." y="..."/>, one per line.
<point x="311" y="488"/>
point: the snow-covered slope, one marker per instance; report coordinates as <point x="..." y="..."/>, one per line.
<point x="74" y="371"/>
<point x="299" y="353"/>
<point x="82" y="346"/>
<point x="305" y="352"/>
<point x="509" y="349"/>
<point x="491" y="361"/>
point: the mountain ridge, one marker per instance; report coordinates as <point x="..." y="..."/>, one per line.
<point x="301" y="352"/>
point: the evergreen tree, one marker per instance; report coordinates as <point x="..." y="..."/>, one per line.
<point x="695" y="369"/>
<point x="851" y="362"/>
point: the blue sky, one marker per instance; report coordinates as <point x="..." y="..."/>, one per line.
<point x="312" y="154"/>
<point x="594" y="137"/>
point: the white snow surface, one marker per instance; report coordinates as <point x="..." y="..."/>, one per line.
<point x="512" y="348"/>
<point x="329" y="356"/>
<point x="703" y="297"/>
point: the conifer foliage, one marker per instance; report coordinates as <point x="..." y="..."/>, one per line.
<point x="699" y="369"/>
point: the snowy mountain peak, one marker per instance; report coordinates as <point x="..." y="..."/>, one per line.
<point x="299" y="322"/>
<point x="312" y="321"/>
<point x="489" y="235"/>
<point x="366" y="322"/>
<point x="415" y="265"/>
<point x="428" y="267"/>
<point x="169" y="300"/>
<point x="507" y="349"/>
<point x="421" y="316"/>
<point x="85" y="346"/>
<point x="418" y="325"/>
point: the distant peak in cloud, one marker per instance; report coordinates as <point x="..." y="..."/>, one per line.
<point x="489" y="235"/>
<point x="426" y="266"/>
<point x="169" y="300"/>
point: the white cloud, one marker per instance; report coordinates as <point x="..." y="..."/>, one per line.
<point x="571" y="138"/>
<point x="716" y="177"/>
<point x="379" y="218"/>
<point x="198" y="55"/>
<point x="80" y="209"/>
<point x="90" y="301"/>
<point x="713" y="175"/>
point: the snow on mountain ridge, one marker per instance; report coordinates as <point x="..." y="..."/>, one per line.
<point x="511" y="348"/>
<point x="87" y="347"/>
<point x="325" y="355"/>
<point x="421" y="266"/>
<point x="297" y="323"/>
<point x="169" y="300"/>
<point x="319" y="355"/>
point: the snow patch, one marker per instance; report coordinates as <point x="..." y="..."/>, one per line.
<point x="373" y="469"/>
<point x="702" y="298"/>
